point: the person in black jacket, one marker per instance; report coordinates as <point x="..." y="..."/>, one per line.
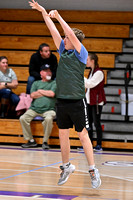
<point x="41" y="57"/>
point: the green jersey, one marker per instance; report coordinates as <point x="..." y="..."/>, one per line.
<point x="70" y="73"/>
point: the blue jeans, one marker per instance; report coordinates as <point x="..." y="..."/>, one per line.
<point x="8" y="94"/>
<point x="31" y="79"/>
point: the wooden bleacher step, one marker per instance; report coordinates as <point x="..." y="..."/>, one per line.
<point x="40" y="29"/>
<point x="32" y="43"/>
<point x="11" y="132"/>
<point x="23" y="57"/>
<point x="85" y="16"/>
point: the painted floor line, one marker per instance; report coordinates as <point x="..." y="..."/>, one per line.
<point x="69" y="187"/>
<point x="33" y="170"/>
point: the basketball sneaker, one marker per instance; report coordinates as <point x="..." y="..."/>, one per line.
<point x="65" y="173"/>
<point x="95" y="178"/>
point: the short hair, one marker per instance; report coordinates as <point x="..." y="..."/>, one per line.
<point x="3" y="57"/>
<point x="43" y="45"/>
<point x="79" y="34"/>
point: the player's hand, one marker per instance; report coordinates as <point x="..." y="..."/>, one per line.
<point x="53" y="14"/>
<point x="36" y="6"/>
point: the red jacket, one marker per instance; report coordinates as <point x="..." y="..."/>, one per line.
<point x="97" y="94"/>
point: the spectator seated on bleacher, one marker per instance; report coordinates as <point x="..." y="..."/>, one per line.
<point x="8" y="81"/>
<point x="41" y="57"/>
<point x="43" y="105"/>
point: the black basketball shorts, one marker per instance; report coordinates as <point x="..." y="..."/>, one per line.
<point x="72" y="112"/>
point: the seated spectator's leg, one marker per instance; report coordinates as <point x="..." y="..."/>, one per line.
<point x="48" y="124"/>
<point x="14" y="101"/>
<point x="5" y="93"/>
<point x="31" y="79"/>
<point x="5" y="102"/>
<point x="25" y="120"/>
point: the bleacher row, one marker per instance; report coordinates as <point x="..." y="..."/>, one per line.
<point x="21" y="33"/>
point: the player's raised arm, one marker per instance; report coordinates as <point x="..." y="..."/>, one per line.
<point x="47" y="18"/>
<point x="67" y="30"/>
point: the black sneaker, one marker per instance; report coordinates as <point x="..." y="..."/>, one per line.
<point x="29" y="144"/>
<point x="98" y="148"/>
<point x="45" y="145"/>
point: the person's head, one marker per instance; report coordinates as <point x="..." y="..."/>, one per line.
<point x="79" y="34"/>
<point x="92" y="60"/>
<point x="44" y="50"/>
<point x="3" y="63"/>
<point x="45" y="72"/>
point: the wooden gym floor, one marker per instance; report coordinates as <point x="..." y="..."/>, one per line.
<point x="34" y="173"/>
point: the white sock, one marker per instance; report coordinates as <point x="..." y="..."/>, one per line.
<point x="91" y="167"/>
<point x="65" y="165"/>
<point x="32" y="140"/>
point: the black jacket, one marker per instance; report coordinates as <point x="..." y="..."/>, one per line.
<point x="37" y="61"/>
